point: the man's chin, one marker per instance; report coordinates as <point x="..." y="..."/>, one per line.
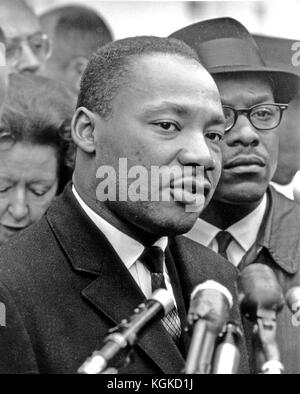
<point x="169" y="222"/>
<point x="240" y="195"/>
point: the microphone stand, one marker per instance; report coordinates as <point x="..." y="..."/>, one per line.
<point x="227" y="354"/>
<point x="265" y="346"/>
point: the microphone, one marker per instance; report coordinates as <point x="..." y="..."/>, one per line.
<point x="293" y="302"/>
<point x="123" y="337"/>
<point x="261" y="299"/>
<point x="209" y="310"/>
<point x="259" y="290"/>
<point x="293" y="298"/>
<point x="227" y="355"/>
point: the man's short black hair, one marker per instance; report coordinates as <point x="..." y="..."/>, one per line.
<point x="109" y="68"/>
<point x="75" y="31"/>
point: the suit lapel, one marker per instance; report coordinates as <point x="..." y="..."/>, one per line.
<point x="114" y="292"/>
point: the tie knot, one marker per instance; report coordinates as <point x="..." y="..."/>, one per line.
<point x="223" y="238"/>
<point x="153" y="258"/>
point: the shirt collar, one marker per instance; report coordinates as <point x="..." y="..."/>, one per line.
<point x="128" y="249"/>
<point x="244" y="231"/>
<point x="203" y="232"/>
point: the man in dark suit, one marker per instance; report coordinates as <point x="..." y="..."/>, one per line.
<point x="80" y="270"/>
<point x="247" y="220"/>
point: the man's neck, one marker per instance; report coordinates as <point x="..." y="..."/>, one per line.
<point x="103" y="210"/>
<point x="224" y="215"/>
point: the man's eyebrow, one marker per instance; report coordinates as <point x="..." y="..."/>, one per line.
<point x="258" y="99"/>
<point x="217" y="119"/>
<point x="178" y="109"/>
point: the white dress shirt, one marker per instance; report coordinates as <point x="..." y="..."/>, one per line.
<point x="128" y="249"/>
<point x="244" y="233"/>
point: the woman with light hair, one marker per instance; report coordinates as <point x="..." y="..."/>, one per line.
<point x="36" y="150"/>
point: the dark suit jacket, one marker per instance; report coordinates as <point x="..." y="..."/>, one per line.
<point x="63" y="287"/>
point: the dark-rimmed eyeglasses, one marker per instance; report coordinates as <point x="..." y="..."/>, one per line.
<point x="261" y="116"/>
<point x="38" y="43"/>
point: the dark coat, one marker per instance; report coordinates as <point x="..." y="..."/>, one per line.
<point x="63" y="287"/>
<point x="278" y="246"/>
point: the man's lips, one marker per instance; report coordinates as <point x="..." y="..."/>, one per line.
<point x="12" y="229"/>
<point x="190" y="191"/>
<point x="192" y="185"/>
<point x="244" y="161"/>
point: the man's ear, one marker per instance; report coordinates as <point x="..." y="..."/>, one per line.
<point x="83" y="129"/>
<point x="75" y="70"/>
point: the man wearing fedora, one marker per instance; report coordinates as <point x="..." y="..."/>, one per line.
<point x="248" y="221"/>
<point x="279" y="51"/>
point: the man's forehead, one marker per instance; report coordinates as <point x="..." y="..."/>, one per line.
<point x="165" y="68"/>
<point x="17" y="20"/>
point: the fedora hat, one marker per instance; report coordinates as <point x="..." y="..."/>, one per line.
<point x="278" y="52"/>
<point x="224" y="45"/>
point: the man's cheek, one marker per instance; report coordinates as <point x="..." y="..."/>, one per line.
<point x="218" y="160"/>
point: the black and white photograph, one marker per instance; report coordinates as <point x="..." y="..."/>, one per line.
<point x="149" y="190"/>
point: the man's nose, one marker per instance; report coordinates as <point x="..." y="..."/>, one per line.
<point x="18" y="206"/>
<point x="243" y="133"/>
<point x="28" y="61"/>
<point x="196" y="152"/>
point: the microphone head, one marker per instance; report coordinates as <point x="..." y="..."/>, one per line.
<point x="212" y="285"/>
<point x="210" y="301"/>
<point x="164" y="297"/>
<point x="259" y="289"/>
<point x="293" y="298"/>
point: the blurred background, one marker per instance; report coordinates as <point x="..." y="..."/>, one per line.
<point x="129" y="18"/>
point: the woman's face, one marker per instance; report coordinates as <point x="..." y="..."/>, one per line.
<point x="28" y="183"/>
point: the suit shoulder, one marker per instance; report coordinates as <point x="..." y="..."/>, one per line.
<point x="26" y="254"/>
<point x="211" y="261"/>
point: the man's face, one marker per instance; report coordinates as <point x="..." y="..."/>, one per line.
<point x="249" y="155"/>
<point x="169" y="114"/>
<point x="28" y="183"/>
<point x="22" y="30"/>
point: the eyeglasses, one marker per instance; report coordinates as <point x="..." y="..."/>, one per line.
<point x="39" y="44"/>
<point x="7" y="139"/>
<point x="261" y="116"/>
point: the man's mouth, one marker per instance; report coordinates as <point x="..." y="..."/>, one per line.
<point x="188" y="190"/>
<point x="243" y="164"/>
<point x="12" y="229"/>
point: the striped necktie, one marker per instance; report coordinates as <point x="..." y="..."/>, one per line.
<point x="153" y="259"/>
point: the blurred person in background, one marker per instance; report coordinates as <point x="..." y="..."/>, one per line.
<point x="278" y="51"/>
<point x="26" y="46"/>
<point x="3" y="72"/>
<point x="76" y="32"/>
<point x="36" y="155"/>
<point x="247" y="220"/>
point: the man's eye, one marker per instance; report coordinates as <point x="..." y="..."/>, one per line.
<point x="167" y="126"/>
<point x="38" y="193"/>
<point x="4" y="189"/>
<point x="214" y="136"/>
<point x="262" y="114"/>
